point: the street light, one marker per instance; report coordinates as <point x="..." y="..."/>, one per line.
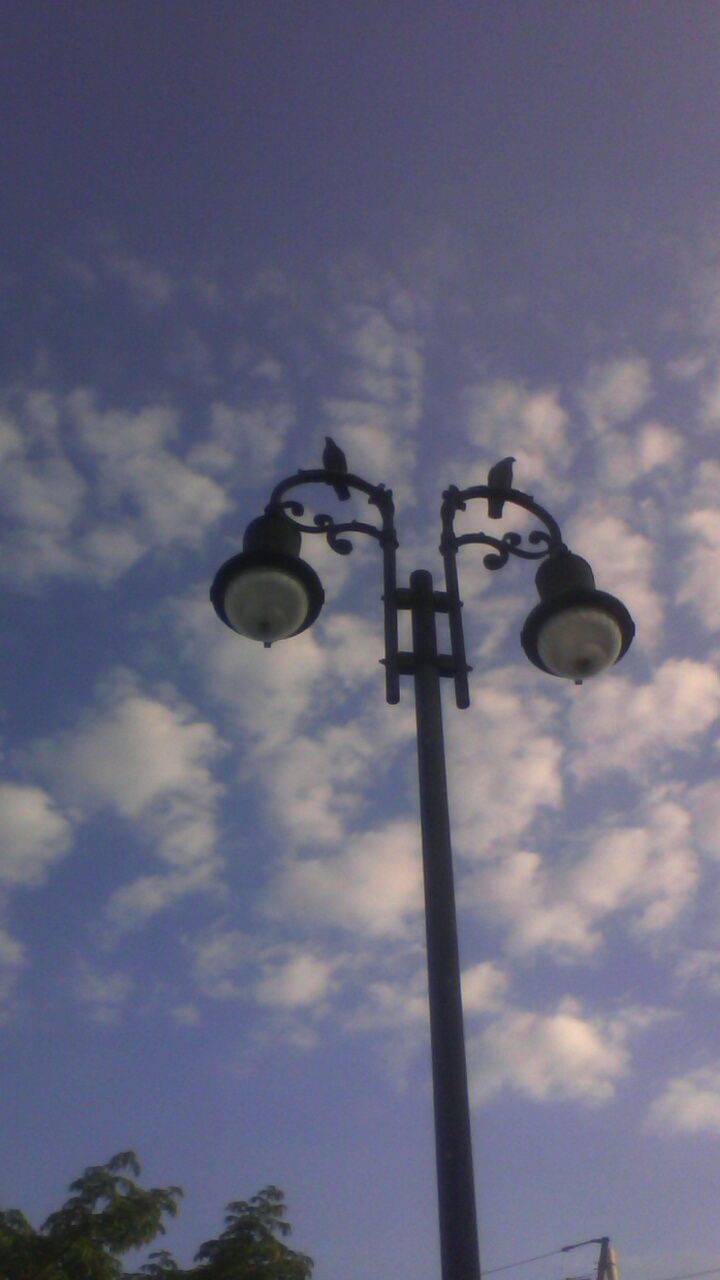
<point x="575" y="631"/>
<point x="268" y="594"/>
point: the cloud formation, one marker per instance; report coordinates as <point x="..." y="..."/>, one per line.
<point x="298" y="979"/>
<point x="614" y="392"/>
<point x="378" y="375"/>
<point x="89" y="491"/>
<point x="689" y="1104"/>
<point x="505" y="417"/>
<point x="504" y="762"/>
<point x="664" y="718"/>
<point x="565" y="1055"/>
<point x="149" y="761"/>
<point x="374" y="886"/>
<point x="646" y="874"/>
<point x="700" y="586"/>
<point x="34" y="834"/>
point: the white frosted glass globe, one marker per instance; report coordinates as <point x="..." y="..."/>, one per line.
<point x="266" y="604"/>
<point x="579" y="642"/>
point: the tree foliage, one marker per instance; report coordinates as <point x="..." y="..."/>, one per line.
<point x="108" y="1214"/>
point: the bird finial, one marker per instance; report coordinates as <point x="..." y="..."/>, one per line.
<point x="334" y="460"/>
<point x="499" y="477"/>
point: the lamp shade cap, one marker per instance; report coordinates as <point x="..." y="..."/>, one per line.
<point x="273" y="532"/>
<point x="562" y="571"/>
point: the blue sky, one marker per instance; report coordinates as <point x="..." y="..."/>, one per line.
<point x="441" y="234"/>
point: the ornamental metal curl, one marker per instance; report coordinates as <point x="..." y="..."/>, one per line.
<point x="511" y="544"/>
<point x="540" y="543"/>
<point x="378" y="496"/>
<point x="455" y="499"/>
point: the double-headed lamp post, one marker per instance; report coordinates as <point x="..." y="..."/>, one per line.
<point x="268" y="593"/>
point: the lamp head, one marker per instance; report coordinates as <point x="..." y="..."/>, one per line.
<point x="576" y="631"/>
<point x="267" y="592"/>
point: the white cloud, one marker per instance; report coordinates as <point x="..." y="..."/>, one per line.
<point x="317" y="782"/>
<point x="221" y="961"/>
<point x="636" y="454"/>
<point x="651" y="871"/>
<point x="711" y="402"/>
<point x="321" y="781"/>
<point x="133" y="904"/>
<point x="269" y="283"/>
<point x="621" y="725"/>
<point x="245" y="440"/>
<point x="646" y="874"/>
<point x="688" y="1104"/>
<point x="134" y="751"/>
<point x="518" y="892"/>
<point x="658" y="445"/>
<point x="699" y="967"/>
<point x="616" y="391"/>
<point x="622" y="561"/>
<point x="150" y="762"/>
<point x="507" y="418"/>
<point x="185" y="1015"/>
<point x="87" y="492"/>
<point x="230" y="965"/>
<point x="11" y="445"/>
<point x="149" y="285"/>
<point x="106" y="552"/>
<point x="103" y="995"/>
<point x="317" y="775"/>
<point x="563" y="1055"/>
<point x="378" y="374"/>
<point x="185" y="829"/>
<point x="373" y="888"/>
<point x="484" y="987"/>
<point x="700" y="586"/>
<point x="163" y="497"/>
<point x="504" y="762"/>
<point x="383" y="357"/>
<point x="705" y="485"/>
<point x="494" y="626"/>
<point x="12" y="952"/>
<point x="393" y="1005"/>
<point x="704" y="804"/>
<point x="354" y="647"/>
<point x="685" y="368"/>
<point x="298" y="980"/>
<point x="266" y="692"/>
<point x="374" y="450"/>
<point x="12" y="960"/>
<point x="33" y="834"/>
<point x="43" y="494"/>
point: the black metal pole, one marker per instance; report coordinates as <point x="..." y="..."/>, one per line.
<point x="604" y="1259"/>
<point x="459" y="1249"/>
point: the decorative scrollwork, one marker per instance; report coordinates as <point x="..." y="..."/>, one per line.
<point x="326" y="524"/>
<point x="377" y="495"/>
<point x="293" y="506"/>
<point x="534" y="545"/>
<point x="496" y="559"/>
<point x="547" y="540"/>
